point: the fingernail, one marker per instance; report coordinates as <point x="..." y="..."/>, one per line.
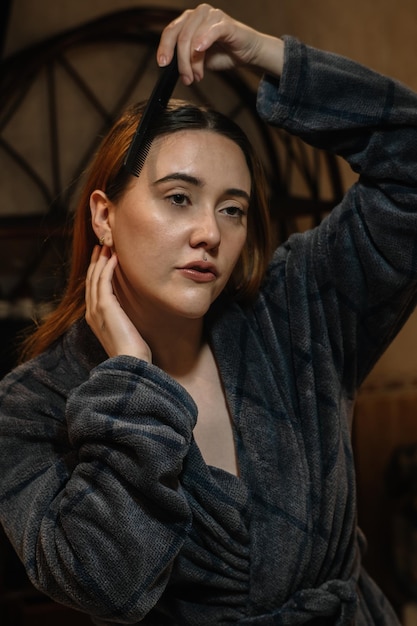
<point x="162" y="61"/>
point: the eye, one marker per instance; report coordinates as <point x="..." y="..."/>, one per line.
<point x="179" y="199"/>
<point x="233" y="211"/>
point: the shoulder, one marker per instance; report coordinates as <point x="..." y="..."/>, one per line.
<point x="55" y="372"/>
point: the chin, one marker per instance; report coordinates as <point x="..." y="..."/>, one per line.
<point x="195" y="310"/>
<point x="195" y="305"/>
<point x="194" y="314"/>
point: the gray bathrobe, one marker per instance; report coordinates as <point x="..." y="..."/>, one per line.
<point x="103" y="491"/>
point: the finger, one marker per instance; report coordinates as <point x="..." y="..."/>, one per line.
<point x="181" y="33"/>
<point x="178" y="35"/>
<point x="167" y="42"/>
<point x="94" y="257"/>
<point x="99" y="261"/>
<point x="88" y="281"/>
<point x="102" y="276"/>
<point x="99" y="258"/>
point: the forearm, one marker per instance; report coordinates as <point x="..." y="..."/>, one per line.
<point x="368" y="119"/>
<point x="270" y="55"/>
<point x="339" y="105"/>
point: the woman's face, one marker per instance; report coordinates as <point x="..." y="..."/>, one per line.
<point x="179" y="229"/>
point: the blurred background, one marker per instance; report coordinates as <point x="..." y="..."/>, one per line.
<point x="67" y="68"/>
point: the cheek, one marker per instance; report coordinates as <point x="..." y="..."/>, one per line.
<point x="240" y="244"/>
<point x="241" y="249"/>
<point x="146" y="245"/>
<point x="235" y="249"/>
<point x="133" y="234"/>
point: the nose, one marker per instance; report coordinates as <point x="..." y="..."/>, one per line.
<point x="206" y="232"/>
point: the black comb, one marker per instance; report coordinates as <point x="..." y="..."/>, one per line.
<point x="142" y="139"/>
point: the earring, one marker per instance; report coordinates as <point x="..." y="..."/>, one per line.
<point x="101" y="241"/>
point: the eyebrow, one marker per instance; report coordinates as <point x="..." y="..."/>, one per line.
<point x="197" y="182"/>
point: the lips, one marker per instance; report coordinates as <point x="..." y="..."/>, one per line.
<point x="200" y="271"/>
<point x="201" y="266"/>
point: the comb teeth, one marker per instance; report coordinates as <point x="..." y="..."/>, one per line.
<point x="136" y="157"/>
<point x="142" y="139"/>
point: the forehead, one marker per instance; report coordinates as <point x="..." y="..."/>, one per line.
<point x="205" y="153"/>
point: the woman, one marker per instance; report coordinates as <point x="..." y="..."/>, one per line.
<point x="177" y="451"/>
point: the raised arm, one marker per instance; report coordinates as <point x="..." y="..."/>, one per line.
<point x="360" y="264"/>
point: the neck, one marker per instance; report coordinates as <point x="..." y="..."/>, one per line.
<point x="175" y="342"/>
<point x="176" y="347"/>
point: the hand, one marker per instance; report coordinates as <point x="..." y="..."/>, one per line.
<point x="208" y="37"/>
<point x="106" y="318"/>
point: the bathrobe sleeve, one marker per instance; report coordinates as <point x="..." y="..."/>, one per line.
<point x="350" y="284"/>
<point x="89" y="477"/>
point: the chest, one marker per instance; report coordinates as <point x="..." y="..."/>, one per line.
<point x="213" y="431"/>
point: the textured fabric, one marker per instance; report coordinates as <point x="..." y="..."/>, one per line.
<point x="104" y="492"/>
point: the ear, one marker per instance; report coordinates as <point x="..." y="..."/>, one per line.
<point x="100" y="207"/>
